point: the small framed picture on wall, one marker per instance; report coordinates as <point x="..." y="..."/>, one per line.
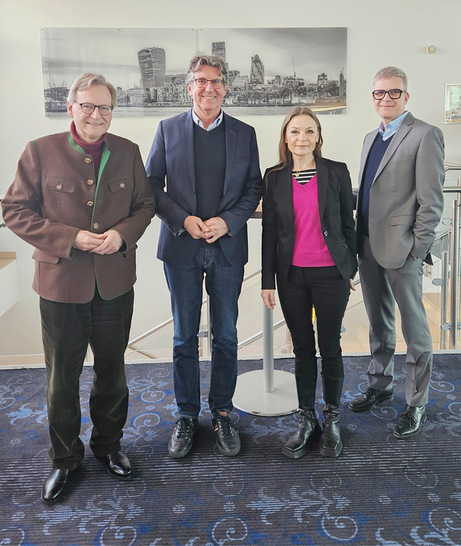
<point x="453" y="103"/>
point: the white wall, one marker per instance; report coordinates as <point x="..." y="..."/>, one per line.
<point x="393" y="32"/>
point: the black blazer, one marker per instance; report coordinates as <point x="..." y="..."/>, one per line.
<point x="335" y="206"/>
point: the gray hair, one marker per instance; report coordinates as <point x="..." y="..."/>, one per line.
<point x="85" y="81"/>
<point x="207" y="60"/>
<point x="392" y="72"/>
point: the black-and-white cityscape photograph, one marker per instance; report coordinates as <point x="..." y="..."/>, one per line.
<point x="270" y="69"/>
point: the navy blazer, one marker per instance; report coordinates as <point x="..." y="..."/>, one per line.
<point x="171" y="164"/>
<point x="335" y="208"/>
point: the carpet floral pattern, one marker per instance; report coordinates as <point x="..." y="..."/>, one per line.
<point x="380" y="491"/>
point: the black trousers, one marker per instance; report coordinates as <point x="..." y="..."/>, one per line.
<point x="67" y="330"/>
<point x="323" y="289"/>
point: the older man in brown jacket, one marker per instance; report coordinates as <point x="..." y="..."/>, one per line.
<point x="82" y="199"/>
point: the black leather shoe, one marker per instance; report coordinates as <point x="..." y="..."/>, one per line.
<point x="54" y="484"/>
<point x="371" y="397"/>
<point x="227" y="437"/>
<point x="117" y="464"/>
<point x="183" y="437"/>
<point x="410" y="422"/>
<point x="308" y="426"/>
<point x="331" y="443"/>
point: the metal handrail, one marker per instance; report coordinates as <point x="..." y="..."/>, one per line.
<point x="451" y="261"/>
<point x="262" y="333"/>
<point x="170" y="320"/>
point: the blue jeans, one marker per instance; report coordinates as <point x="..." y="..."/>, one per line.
<point x="223" y="283"/>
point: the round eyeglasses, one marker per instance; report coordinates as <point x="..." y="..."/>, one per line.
<point x="394" y="94"/>
<point x="202" y="82"/>
<point x="88" y="108"/>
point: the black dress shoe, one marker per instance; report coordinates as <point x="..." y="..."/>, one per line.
<point x="117" y="464"/>
<point x="371" y="397"/>
<point x="410" y="422"/>
<point x="227" y="437"/>
<point x="54" y="484"/>
<point x="183" y="437"/>
<point x="308" y="426"/>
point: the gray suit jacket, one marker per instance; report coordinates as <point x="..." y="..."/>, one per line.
<point x="406" y="199"/>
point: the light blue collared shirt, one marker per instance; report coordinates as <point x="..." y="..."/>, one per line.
<point x="392" y="127"/>
<point x="215" y="123"/>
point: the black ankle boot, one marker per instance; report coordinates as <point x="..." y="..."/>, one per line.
<point x="331" y="444"/>
<point x="308" y="426"/>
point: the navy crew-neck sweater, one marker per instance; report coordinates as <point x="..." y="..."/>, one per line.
<point x="210" y="169"/>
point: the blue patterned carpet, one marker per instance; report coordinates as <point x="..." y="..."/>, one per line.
<point x="381" y="491"/>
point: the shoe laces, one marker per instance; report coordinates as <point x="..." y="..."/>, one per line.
<point x="223" y="425"/>
<point x="183" y="427"/>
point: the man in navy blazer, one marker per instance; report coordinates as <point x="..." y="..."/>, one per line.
<point x="399" y="206"/>
<point x="204" y="170"/>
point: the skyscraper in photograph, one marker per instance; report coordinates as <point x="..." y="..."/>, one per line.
<point x="152" y="64"/>
<point x="219" y="48"/>
<point x="342" y="84"/>
<point x="257" y="70"/>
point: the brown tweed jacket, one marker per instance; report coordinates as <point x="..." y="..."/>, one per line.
<point x="56" y="192"/>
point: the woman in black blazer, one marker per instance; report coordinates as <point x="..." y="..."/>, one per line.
<point x="309" y="244"/>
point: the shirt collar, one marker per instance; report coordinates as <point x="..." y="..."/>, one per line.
<point x="215" y="123"/>
<point x="392" y="127"/>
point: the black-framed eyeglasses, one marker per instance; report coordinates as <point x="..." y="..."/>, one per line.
<point x="379" y="94"/>
<point x="202" y="82"/>
<point x="88" y="108"/>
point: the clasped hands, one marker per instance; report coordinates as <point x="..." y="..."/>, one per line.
<point x="210" y="230"/>
<point x="98" y="243"/>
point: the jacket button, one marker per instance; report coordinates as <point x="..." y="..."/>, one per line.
<point x="87" y="160"/>
<point x="59" y="187"/>
<point x="90" y="203"/>
<point x="325" y="233"/>
<point x="122" y="184"/>
<point x="90" y="182"/>
<point x="95" y="225"/>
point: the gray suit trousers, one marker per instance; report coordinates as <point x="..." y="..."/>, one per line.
<point x="381" y="289"/>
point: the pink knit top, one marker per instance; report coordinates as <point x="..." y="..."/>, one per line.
<point x="310" y="249"/>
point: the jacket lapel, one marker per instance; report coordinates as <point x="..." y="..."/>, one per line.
<point x="188" y="140"/>
<point x="322" y="184"/>
<point x="285" y="193"/>
<point x="367" y="143"/>
<point x="231" y="144"/>
<point x="404" y="129"/>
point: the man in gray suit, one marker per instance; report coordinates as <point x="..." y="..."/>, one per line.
<point x="399" y="206"/>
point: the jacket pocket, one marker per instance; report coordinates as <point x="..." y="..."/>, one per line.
<point x="403" y="220"/>
<point x="122" y="184"/>
<point x="43" y="257"/>
<point x="59" y="185"/>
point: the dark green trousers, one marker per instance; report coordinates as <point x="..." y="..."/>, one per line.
<point x="67" y="330"/>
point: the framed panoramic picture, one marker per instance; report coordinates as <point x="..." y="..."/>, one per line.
<point x="270" y="69"/>
<point x="453" y="103"/>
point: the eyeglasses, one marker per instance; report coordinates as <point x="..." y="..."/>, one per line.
<point x="202" y="82"/>
<point x="88" y="108"/>
<point x="394" y="94"/>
